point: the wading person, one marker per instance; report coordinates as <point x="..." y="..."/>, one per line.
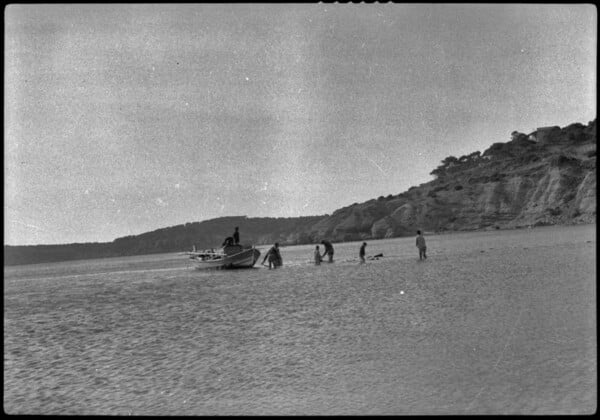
<point x="361" y="253"/>
<point x="274" y="256"/>
<point x="421" y="245"/>
<point x="317" y="256"/>
<point x="328" y="250"/>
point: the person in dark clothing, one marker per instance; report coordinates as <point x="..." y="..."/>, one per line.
<point x="236" y="236"/>
<point x="361" y="253"/>
<point x="328" y="250"/>
<point x="228" y="241"/>
<point x="421" y="245"/>
<point x="274" y="256"/>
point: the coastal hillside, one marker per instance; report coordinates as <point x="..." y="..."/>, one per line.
<point x="206" y="234"/>
<point x="545" y="177"/>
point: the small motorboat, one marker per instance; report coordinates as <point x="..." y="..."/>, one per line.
<point x="230" y="256"/>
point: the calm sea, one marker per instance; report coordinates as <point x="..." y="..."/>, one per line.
<point x="500" y="322"/>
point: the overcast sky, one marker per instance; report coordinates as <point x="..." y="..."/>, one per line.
<point x="122" y="119"/>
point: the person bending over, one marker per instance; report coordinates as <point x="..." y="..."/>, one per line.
<point x="328" y="250"/>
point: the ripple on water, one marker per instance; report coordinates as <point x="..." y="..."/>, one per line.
<point x="508" y="331"/>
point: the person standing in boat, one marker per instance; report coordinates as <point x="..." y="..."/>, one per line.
<point x="274" y="256"/>
<point x="236" y="236"/>
<point x="328" y="250"/>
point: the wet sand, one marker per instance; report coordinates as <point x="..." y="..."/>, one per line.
<point x="492" y="323"/>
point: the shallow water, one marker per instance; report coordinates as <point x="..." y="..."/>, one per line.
<point x="499" y="322"/>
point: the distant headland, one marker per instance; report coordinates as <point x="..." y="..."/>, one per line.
<point x="547" y="177"/>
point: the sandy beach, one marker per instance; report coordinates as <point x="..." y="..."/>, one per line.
<point x="492" y="323"/>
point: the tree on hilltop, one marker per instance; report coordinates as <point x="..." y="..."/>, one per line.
<point x="447" y="163"/>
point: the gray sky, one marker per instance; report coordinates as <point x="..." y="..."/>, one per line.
<point x="121" y="119"/>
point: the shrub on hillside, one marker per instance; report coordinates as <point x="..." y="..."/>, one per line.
<point x="589" y="164"/>
<point x="443" y="187"/>
<point x="528" y="158"/>
<point x="562" y="160"/>
<point x="555" y="211"/>
<point x="569" y="197"/>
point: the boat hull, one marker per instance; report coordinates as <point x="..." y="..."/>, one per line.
<point x="229" y="259"/>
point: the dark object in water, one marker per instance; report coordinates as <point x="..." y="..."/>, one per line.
<point x="375" y="257"/>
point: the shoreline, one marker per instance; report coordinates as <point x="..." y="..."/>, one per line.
<point x="283" y="245"/>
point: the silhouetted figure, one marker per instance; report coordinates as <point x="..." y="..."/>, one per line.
<point x="227" y="242"/>
<point x="317" y="256"/>
<point x="421" y="245"/>
<point x="361" y="253"/>
<point x="328" y="250"/>
<point x="274" y="256"/>
<point x="236" y="236"/>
